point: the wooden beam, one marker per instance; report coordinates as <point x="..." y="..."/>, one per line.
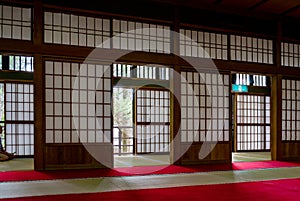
<point x="277" y="46"/>
<point x="39" y="113"/>
<point x="16" y="2"/>
<point x="175" y="82"/>
<point x="246" y="67"/>
<point x="38" y="25"/>
<point x="234" y="140"/>
<point x="16" y="46"/>
<point x="112" y="55"/>
<point x="290" y="10"/>
<point x="231" y="105"/>
<point x="276" y="117"/>
<point x="226" y="30"/>
<point x="291" y="72"/>
<point x="218" y="2"/>
<point x="13" y="75"/>
<point x="255" y="6"/>
<point x="48" y="6"/>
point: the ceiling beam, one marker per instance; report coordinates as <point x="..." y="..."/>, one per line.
<point x="290" y="10"/>
<point x="218" y="2"/>
<point x="255" y="6"/>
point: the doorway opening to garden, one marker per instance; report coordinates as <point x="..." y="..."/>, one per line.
<point x="251" y="101"/>
<point x="141" y="115"/>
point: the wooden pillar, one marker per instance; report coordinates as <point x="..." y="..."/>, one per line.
<point x="276" y="117"/>
<point x="276" y="100"/>
<point x="38" y="16"/>
<point x="39" y="114"/>
<point x="175" y="84"/>
<point x="234" y="137"/>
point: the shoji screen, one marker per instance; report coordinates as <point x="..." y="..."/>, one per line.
<point x="204" y="107"/>
<point x="77" y="108"/>
<point x="203" y="44"/>
<point x="139" y="36"/>
<point x="290" y="54"/>
<point x="15" y="22"/>
<point x="153" y="121"/>
<point x="142" y="72"/>
<point x="69" y="29"/>
<point x="290" y="110"/>
<point x="2" y="111"/>
<point x="251" y="49"/>
<point x="253" y="122"/>
<point x="19" y="110"/>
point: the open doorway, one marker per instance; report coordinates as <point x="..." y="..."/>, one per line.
<point x="251" y="118"/>
<point x="17" y="121"/>
<point x="17" y="111"/>
<point x="141" y="134"/>
<point x="123" y="129"/>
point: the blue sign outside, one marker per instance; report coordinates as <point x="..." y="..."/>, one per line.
<point x="239" y="88"/>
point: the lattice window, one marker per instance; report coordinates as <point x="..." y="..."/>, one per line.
<point x="2" y="113"/>
<point x="143" y="72"/>
<point x="141" y="36"/>
<point x="204" y="107"/>
<point x="290" y="110"/>
<point x="253" y="122"/>
<point x="21" y="63"/>
<point x="290" y="54"/>
<point x="19" y="118"/>
<point x="153" y="121"/>
<point x="17" y="63"/>
<point x="15" y="22"/>
<point x="78" y="102"/>
<point x="250" y="80"/>
<point x="251" y="49"/>
<point x="69" y="29"/>
<point x="19" y="102"/>
<point x="203" y="44"/>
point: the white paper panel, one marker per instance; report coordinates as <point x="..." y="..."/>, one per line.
<point x="67" y="29"/>
<point x="290" y="109"/>
<point x="207" y="106"/>
<point x="62" y="118"/>
<point x="15" y="23"/>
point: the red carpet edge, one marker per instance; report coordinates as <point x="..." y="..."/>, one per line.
<point x="13" y="176"/>
<point x="273" y="190"/>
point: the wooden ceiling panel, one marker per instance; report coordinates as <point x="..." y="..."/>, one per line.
<point x="244" y="4"/>
<point x="294" y="13"/>
<point x="256" y="8"/>
<point x="278" y="6"/>
<point x="189" y="3"/>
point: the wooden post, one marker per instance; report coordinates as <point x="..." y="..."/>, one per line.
<point x="276" y="100"/>
<point x="39" y="115"/>
<point x="234" y="139"/>
<point x="38" y="27"/>
<point x="175" y="85"/>
<point x="276" y="117"/>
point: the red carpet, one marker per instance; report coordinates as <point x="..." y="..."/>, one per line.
<point x="276" y="190"/>
<point x="131" y="171"/>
